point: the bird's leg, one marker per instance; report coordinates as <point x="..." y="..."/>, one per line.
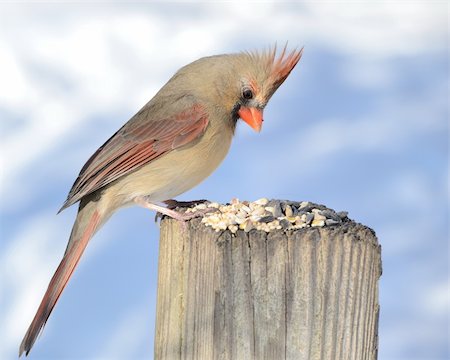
<point x="142" y="201"/>
<point x="172" y="203"/>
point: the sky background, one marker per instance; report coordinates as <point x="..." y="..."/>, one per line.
<point x="360" y="125"/>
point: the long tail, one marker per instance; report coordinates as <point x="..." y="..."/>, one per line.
<point x="88" y="221"/>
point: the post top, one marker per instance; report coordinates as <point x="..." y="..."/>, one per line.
<point x="266" y="215"/>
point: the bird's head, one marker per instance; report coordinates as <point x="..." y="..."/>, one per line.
<point x="236" y="85"/>
<point x="252" y="80"/>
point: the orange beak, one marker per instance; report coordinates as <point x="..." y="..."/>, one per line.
<point x="252" y="116"/>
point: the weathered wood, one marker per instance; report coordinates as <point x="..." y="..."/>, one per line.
<point x="305" y="294"/>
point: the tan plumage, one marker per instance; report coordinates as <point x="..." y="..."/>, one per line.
<point x="174" y="142"/>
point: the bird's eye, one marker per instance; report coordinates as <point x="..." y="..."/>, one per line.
<point x="247" y="94"/>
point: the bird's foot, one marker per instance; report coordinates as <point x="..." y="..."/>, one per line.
<point x="169" y="211"/>
<point x="173" y="204"/>
<point x="194" y="208"/>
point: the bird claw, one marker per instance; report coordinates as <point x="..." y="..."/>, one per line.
<point x="173" y="204"/>
<point x="183" y="216"/>
<point x="158" y="216"/>
<point x="170" y="209"/>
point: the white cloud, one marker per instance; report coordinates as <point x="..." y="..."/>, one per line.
<point x="13" y="75"/>
<point x="378" y="29"/>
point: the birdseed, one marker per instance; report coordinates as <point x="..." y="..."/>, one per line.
<point x="266" y="215"/>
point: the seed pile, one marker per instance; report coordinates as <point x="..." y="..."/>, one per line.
<point x="267" y="215"/>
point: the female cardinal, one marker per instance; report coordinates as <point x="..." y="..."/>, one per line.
<point x="174" y="142"/>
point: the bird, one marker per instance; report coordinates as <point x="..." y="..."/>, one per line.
<point x="169" y="146"/>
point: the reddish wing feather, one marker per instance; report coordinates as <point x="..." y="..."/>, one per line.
<point x="137" y="143"/>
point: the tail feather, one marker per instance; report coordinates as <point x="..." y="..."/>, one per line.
<point x="87" y="222"/>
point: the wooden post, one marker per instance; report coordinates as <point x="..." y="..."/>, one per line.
<point x="310" y="293"/>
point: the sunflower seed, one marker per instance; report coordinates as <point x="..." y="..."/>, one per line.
<point x="318" y="223"/>
<point x="307" y="218"/>
<point x="262" y="201"/>
<point x="259" y="211"/>
<point x="276" y="205"/>
<point x="288" y="211"/>
<point x="266" y="219"/>
<point x="331" y="215"/>
<point x="329" y="222"/>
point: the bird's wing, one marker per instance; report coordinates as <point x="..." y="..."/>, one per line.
<point x="140" y="141"/>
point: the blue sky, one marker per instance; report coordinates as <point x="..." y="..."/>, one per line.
<point x="360" y="125"/>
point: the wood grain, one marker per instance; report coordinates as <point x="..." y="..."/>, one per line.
<point x="305" y="294"/>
